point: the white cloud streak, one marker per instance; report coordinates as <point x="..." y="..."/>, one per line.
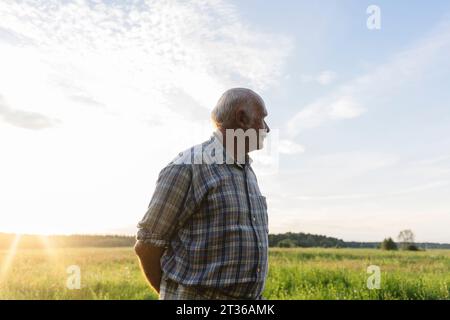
<point x="354" y="98"/>
<point x="24" y="119"/>
<point x="290" y="147"/>
<point x="324" y="78"/>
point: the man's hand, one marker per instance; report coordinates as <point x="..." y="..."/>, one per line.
<point x="149" y="257"/>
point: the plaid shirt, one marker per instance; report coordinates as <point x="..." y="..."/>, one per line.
<point x="213" y="221"/>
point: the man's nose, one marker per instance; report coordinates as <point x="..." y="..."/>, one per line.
<point x="267" y="127"/>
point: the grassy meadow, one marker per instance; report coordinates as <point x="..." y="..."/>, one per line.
<point x="294" y="273"/>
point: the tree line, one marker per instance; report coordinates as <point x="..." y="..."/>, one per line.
<point x="284" y="240"/>
<point x="406" y="241"/>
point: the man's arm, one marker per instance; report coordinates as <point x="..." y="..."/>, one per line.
<point x="171" y="205"/>
<point x="149" y="257"/>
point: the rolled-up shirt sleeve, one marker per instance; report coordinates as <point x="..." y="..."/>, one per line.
<point x="170" y="206"/>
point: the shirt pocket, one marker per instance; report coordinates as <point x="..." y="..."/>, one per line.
<point x="262" y="211"/>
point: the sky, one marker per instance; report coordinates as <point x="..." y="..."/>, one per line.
<point x="96" y="97"/>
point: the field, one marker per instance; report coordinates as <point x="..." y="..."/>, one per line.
<point x="113" y="273"/>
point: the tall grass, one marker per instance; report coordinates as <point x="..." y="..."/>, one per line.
<point x="342" y="274"/>
<point x="113" y="273"/>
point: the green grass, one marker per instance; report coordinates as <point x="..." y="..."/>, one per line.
<point x="113" y="273"/>
<point x="342" y="274"/>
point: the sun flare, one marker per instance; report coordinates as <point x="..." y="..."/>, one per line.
<point x="48" y="247"/>
<point x="11" y="253"/>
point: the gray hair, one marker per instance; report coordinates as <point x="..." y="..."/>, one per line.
<point x="223" y="113"/>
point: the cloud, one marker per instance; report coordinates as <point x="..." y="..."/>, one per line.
<point x="132" y="56"/>
<point x="11" y="37"/>
<point x="337" y="173"/>
<point x="24" y="119"/>
<point x="324" y="78"/>
<point x="323" y="110"/>
<point x="344" y="108"/>
<point x="86" y="100"/>
<point x="354" y="98"/>
<point x="351" y="163"/>
<point x="290" y="147"/>
<point x="357" y="196"/>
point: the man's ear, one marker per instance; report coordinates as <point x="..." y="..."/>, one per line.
<point x="242" y="119"/>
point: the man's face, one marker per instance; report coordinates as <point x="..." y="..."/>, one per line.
<point x="259" y="124"/>
<point x="253" y="125"/>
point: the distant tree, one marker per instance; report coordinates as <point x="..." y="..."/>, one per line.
<point x="388" y="244"/>
<point x="287" y="243"/>
<point x="412" y="247"/>
<point x="406" y="239"/>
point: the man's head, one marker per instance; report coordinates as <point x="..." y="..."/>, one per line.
<point x="241" y="108"/>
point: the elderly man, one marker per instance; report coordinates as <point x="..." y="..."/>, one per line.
<point x="205" y="233"/>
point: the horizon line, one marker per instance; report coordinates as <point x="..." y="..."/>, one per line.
<point x="133" y="235"/>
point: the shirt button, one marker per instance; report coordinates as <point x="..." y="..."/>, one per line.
<point x="258" y="270"/>
<point x="254" y="218"/>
